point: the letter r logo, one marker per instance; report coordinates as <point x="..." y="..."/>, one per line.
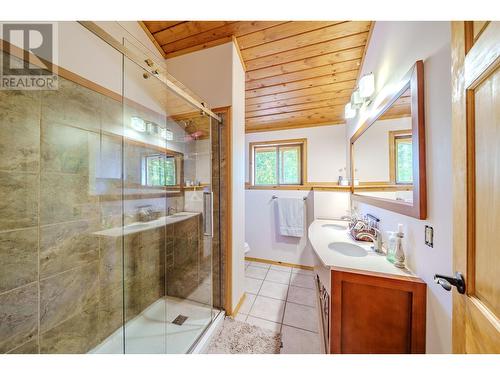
<point x="34" y="38"/>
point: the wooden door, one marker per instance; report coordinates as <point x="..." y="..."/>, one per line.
<point x="476" y="180"/>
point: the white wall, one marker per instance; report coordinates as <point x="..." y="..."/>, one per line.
<point x="371" y="150"/>
<point x="216" y="74"/>
<point x="207" y="72"/>
<point x="325" y="156"/>
<point x="238" y="168"/>
<point x="85" y="54"/>
<point x="393" y="49"/>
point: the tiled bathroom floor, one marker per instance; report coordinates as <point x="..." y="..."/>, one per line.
<point x="283" y="299"/>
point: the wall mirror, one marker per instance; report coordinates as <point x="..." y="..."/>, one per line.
<point x="388" y="151"/>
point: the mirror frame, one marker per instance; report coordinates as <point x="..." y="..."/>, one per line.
<point x="413" y="80"/>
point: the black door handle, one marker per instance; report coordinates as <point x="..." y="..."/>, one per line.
<point x="447" y="282"/>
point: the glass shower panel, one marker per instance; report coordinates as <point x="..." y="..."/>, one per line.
<point x="189" y="251"/>
<point x="145" y="169"/>
<point x="167" y="224"/>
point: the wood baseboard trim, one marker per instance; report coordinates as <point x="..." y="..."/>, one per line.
<point x="276" y="263"/>
<point x="238" y="306"/>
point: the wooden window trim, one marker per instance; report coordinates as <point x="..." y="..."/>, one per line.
<point x="393" y="135"/>
<point x="302" y="142"/>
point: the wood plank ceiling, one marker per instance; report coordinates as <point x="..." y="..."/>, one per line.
<point x="298" y="74"/>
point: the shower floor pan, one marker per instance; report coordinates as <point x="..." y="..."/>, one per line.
<point x="153" y="331"/>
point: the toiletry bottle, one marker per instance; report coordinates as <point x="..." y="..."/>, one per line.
<point x="399" y="256"/>
<point x="391" y="248"/>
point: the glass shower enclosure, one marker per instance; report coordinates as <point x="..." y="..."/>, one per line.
<point x="106" y="217"/>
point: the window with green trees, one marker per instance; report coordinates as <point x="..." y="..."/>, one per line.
<point x="404" y="160"/>
<point x="277" y="164"/>
<point x="160" y="170"/>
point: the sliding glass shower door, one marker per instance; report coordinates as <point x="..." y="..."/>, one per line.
<point x="167" y="221"/>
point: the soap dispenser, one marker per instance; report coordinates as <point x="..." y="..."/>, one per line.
<point x="399" y="255"/>
<point x="391" y="248"/>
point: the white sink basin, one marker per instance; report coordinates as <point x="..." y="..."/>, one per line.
<point x="334" y="226"/>
<point x="348" y="249"/>
<point x="179" y="214"/>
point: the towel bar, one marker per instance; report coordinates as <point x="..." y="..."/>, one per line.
<point x="275" y="197"/>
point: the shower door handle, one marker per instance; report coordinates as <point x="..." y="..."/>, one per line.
<point x="208" y="213"/>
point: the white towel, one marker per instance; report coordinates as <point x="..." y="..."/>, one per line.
<point x="291" y="216"/>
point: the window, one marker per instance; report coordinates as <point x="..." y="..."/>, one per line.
<point x="161" y="170"/>
<point x="401" y="159"/>
<point x="278" y="163"/>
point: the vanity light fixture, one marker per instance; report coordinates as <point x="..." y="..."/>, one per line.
<point x="138" y="124"/>
<point x="167" y="134"/>
<point x="349" y="111"/>
<point x="367" y="86"/>
<point x="356" y="99"/>
<point x="153" y="128"/>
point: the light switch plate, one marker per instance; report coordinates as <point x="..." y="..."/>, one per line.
<point x="429" y="236"/>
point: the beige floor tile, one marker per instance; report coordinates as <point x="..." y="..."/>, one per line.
<point x="256" y="272"/>
<point x="278" y="277"/>
<point x="304" y="296"/>
<point x="281" y="268"/>
<point x="304" y="281"/>
<point x="274" y="290"/>
<point x="268" y="308"/>
<point x="247" y="303"/>
<point x="266" y="324"/>
<point x="252" y="285"/>
<point x="260" y="265"/>
<point x="298" y="341"/>
<point x="300" y="271"/>
<point x="301" y="316"/>
<point x="240" y="317"/>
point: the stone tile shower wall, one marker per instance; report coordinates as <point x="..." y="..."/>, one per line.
<point x="51" y="268"/>
<point x="61" y="287"/>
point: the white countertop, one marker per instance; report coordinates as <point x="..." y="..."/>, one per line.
<point x="143" y="226"/>
<point x="331" y="242"/>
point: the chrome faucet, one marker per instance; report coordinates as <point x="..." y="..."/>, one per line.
<point x="376" y="239"/>
<point x="147" y="213"/>
<point x="170" y="210"/>
<point x="351" y="219"/>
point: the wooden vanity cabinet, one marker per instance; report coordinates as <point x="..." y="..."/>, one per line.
<point x="376" y="313"/>
<point x="372" y="312"/>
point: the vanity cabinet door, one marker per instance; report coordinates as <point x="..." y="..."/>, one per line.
<point x="371" y="313"/>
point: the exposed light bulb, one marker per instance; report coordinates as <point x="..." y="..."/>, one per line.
<point x="167" y="134"/>
<point x="356" y="100"/>
<point x="138" y="124"/>
<point x="367" y="86"/>
<point x="349" y="112"/>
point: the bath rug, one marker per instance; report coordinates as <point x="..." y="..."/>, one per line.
<point x="235" y="337"/>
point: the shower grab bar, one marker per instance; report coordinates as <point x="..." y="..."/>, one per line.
<point x="275" y="197"/>
<point x="208" y="213"/>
